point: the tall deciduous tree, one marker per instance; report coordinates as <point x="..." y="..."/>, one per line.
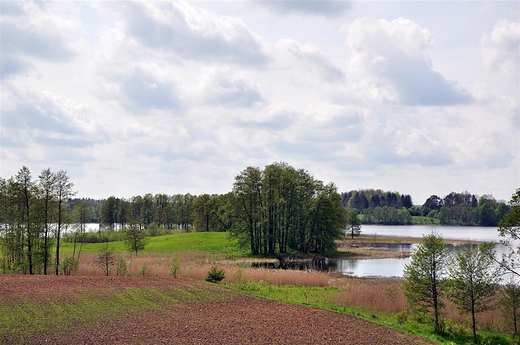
<point x="473" y="281"/>
<point x="281" y="208"/>
<point x="424" y="276"/>
<point x="63" y="194"/>
<point x="25" y="191"/>
<point x="47" y="184"/>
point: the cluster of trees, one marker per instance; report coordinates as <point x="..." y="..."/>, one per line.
<point x="392" y="208"/>
<point x="280" y="208"/>
<point x="275" y="210"/>
<point x="471" y="278"/>
<point x="465" y="209"/>
<point x="33" y="217"/>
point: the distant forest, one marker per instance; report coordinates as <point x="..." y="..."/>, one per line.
<point x="374" y="206"/>
<point x="392" y="208"/>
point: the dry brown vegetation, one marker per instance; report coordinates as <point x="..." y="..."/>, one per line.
<point x="375" y="295"/>
<point x="233" y="318"/>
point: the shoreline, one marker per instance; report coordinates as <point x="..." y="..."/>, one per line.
<point x="372" y="247"/>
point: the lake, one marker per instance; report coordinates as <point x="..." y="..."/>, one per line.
<point x="394" y="267"/>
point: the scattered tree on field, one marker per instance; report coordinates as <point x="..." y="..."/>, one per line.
<point x="473" y="281"/>
<point x="135" y="238"/>
<point x="215" y="274"/>
<point x="106" y="260"/>
<point x="424" y="276"/>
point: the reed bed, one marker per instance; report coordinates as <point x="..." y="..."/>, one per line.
<point x="374" y="295"/>
<point x="195" y="265"/>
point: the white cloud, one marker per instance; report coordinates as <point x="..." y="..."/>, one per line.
<point x="223" y="87"/>
<point x="501" y="48"/>
<point x="390" y="62"/>
<point x="28" y="32"/>
<point x="292" y="54"/>
<point x="190" y="32"/>
<point x="330" y="8"/>
<point x="170" y="97"/>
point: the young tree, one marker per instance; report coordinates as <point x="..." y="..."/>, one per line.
<point x="106" y="260"/>
<point x="510" y="302"/>
<point x="135" y="238"/>
<point x="509" y="228"/>
<point x="424" y="276"/>
<point x="473" y="281"/>
<point x="353" y="223"/>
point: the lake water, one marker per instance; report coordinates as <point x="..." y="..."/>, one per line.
<point x="394" y="267"/>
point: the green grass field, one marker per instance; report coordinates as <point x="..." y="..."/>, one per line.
<point x="212" y="242"/>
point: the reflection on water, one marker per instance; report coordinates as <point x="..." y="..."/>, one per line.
<point x="394" y="267"/>
<point x="316" y="264"/>
<point x="371" y="267"/>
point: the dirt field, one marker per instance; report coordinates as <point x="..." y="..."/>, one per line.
<point x="235" y="318"/>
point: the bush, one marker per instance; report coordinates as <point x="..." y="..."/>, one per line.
<point x="215" y="275"/>
<point x="121" y="266"/>
<point x="175" y="267"/>
<point x="69" y="265"/>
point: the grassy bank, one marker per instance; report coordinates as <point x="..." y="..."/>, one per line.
<point x="211" y="242"/>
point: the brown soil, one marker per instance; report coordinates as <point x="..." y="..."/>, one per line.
<point x="235" y="319"/>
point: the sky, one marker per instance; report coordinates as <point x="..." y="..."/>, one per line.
<point x="417" y="97"/>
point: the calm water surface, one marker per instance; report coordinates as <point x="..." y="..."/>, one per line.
<point x="394" y="267"/>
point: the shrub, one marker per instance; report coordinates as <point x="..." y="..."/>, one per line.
<point x="215" y="275"/>
<point x="121" y="266"/>
<point x="144" y="270"/>
<point x="175" y="267"/>
<point x="69" y="265"/>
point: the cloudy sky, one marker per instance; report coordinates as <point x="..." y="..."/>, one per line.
<point x="175" y="97"/>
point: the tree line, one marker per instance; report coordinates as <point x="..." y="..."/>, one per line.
<point x="34" y="215"/>
<point x="274" y="210"/>
<point x="391" y="208"/>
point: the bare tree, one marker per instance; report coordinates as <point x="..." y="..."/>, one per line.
<point x="106" y="260"/>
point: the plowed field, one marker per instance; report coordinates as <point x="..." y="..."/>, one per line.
<point x="210" y="315"/>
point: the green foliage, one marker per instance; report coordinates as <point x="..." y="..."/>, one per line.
<point x="353" y="223"/>
<point x="510" y="303"/>
<point x="509" y="229"/>
<point x="215" y="275"/>
<point x="423" y="286"/>
<point x="281" y="209"/>
<point x="175" y="267"/>
<point x="121" y="266"/>
<point x="135" y="238"/>
<point x="145" y="270"/>
<point x="473" y="281"/>
<point x="69" y="265"/>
